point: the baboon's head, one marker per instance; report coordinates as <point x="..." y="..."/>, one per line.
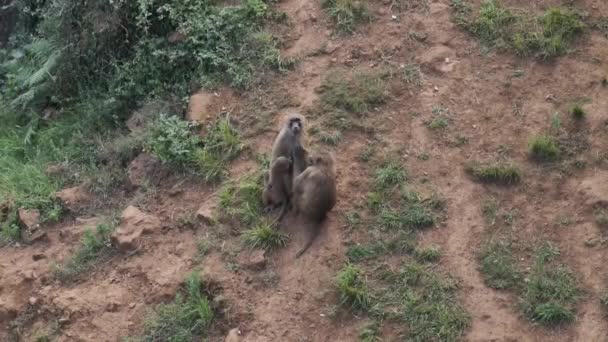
<point x="323" y="159"/>
<point x="295" y="123"/>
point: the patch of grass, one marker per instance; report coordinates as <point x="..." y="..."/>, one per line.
<point x="188" y="316"/>
<point x="402" y="243"/>
<point x="604" y="300"/>
<point x="498" y="265"/>
<point x="10" y="231"/>
<point x="332" y="138"/>
<point x="411" y="74"/>
<point x="578" y="112"/>
<point x="352" y="288"/>
<point x="356" y="94"/>
<point x="428" y="254"/>
<point x="95" y="247"/>
<point x="412" y="217"/>
<point x="370" y="332"/>
<point x="241" y="199"/>
<point x="438" y="123"/>
<point x="389" y="175"/>
<point x="202" y="248"/>
<point x="347" y="14"/>
<point x="601" y="218"/>
<point x="367" y="153"/>
<point x="427" y="302"/>
<point x="499" y="173"/>
<point x="550" y="294"/>
<point x="222" y="144"/>
<point x="265" y="237"/>
<point x="544" y="148"/>
<point x="497" y="26"/>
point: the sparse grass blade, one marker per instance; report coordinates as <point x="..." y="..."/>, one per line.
<point x="498" y="173"/>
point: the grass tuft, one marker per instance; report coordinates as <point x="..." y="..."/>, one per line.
<point x="498" y="265"/>
<point x="578" y="112"/>
<point x="357" y="94"/>
<point x="544" y="148"/>
<point x="188" y="316"/>
<point x="95" y="246"/>
<point x="347" y="14"/>
<point x="264" y="237"/>
<point x="498" y="173"/>
<point x="352" y="288"/>
<point x="551" y="292"/>
<point x="241" y="199"/>
<point x="389" y="175"/>
<point x="429" y="254"/>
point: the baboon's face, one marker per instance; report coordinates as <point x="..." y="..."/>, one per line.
<point x="295" y="125"/>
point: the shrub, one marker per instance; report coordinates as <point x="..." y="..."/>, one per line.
<point x="171" y="140"/>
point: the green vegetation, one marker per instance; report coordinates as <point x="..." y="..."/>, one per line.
<point x="411" y="74"/>
<point x="69" y="82"/>
<point x="550" y="294"/>
<point x="544" y="148"/>
<point x="604" y="300"/>
<point x="241" y="199"/>
<point x="498" y="265"/>
<point x="352" y="288"/>
<point x="426" y="301"/>
<point x="389" y="175"/>
<point x="172" y="141"/>
<point x="95" y="247"/>
<point x="499" y="173"/>
<point x="601" y="217"/>
<point x="429" y="254"/>
<point x="265" y="237"/>
<point x="438" y="123"/>
<point x="578" y="112"/>
<point x="347" y="14"/>
<point x="356" y="94"/>
<point x="186" y="318"/>
<point x="370" y="332"/>
<point x="548" y="35"/>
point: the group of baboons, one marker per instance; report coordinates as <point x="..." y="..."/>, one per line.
<point x="298" y="180"/>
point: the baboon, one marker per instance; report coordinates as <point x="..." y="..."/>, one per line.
<point x="277" y="186"/>
<point x="288" y="140"/>
<point x="314" y="194"/>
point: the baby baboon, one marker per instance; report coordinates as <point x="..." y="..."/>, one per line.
<point x="277" y="186"/>
<point x="314" y="194"/>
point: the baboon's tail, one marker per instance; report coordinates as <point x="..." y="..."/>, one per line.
<point x="314" y="231"/>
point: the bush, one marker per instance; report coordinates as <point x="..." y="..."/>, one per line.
<point x="171" y="140"/>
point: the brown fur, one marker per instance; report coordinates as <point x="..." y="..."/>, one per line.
<point x="314" y="194"/>
<point x="277" y="186"/>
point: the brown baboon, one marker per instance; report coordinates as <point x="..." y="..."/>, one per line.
<point x="314" y="194"/>
<point x="277" y="186"/>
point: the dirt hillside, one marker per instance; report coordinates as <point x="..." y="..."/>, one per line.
<point x="494" y="102"/>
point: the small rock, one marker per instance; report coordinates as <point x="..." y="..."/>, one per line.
<point x="199" y="108"/>
<point x="207" y="211"/>
<point x="131" y="305"/>
<point x="394" y="17"/>
<point x="38" y="256"/>
<point x="233" y="335"/>
<point x="254" y="260"/>
<point x="36" y="236"/>
<point x="134" y="223"/>
<point x="33" y="301"/>
<point x="29" y="218"/>
<point x="73" y="198"/>
<point x="64" y="320"/>
<point x="29" y="275"/>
